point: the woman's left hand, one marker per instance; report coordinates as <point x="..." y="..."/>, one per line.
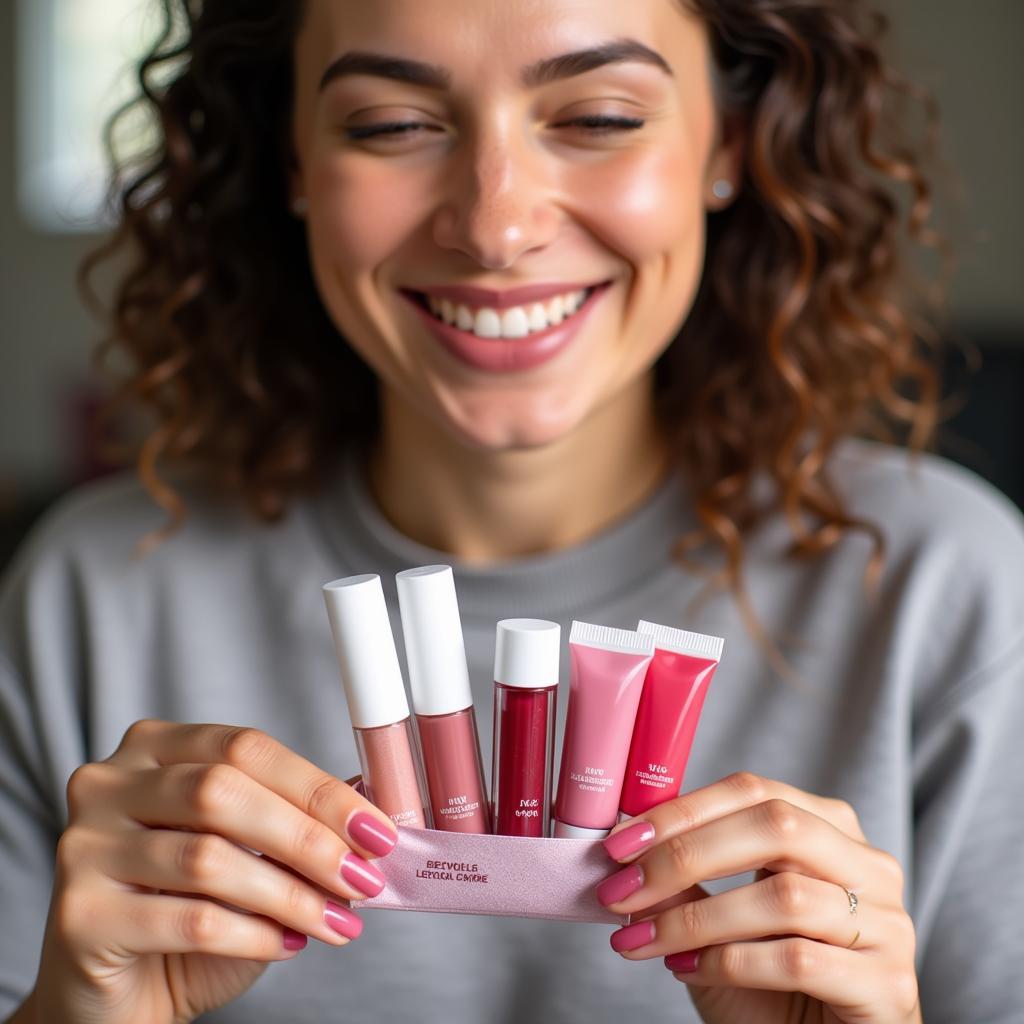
<point x="821" y="934"/>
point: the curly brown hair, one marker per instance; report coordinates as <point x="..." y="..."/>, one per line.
<point x="797" y="336"/>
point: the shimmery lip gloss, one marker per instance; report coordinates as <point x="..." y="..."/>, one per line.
<point x="376" y="698"/>
<point x="525" y="691"/>
<point x="498" y="355"/>
<point x="442" y="699"/>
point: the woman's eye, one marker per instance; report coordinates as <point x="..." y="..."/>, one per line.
<point x="593" y="124"/>
<point x="393" y="128"/>
<point x="600" y="124"/>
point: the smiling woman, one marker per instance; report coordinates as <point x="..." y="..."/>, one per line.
<point x="616" y="150"/>
<point x="593" y="301"/>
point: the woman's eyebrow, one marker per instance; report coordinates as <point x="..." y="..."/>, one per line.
<point x="433" y="76"/>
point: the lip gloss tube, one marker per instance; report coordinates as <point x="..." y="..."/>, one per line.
<point x="376" y="698"/>
<point x="673" y="696"/>
<point x="525" y="691"/>
<point x="442" y="699"/>
<point x="607" y="676"/>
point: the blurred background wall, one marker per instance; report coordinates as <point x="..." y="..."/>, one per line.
<point x="968" y="54"/>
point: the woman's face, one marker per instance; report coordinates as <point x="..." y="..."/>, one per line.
<point x="506" y="173"/>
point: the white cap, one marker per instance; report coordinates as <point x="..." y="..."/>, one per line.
<point x="563" y="830"/>
<point x="434" y="648"/>
<point x="366" y="651"/>
<point x="526" y="653"/>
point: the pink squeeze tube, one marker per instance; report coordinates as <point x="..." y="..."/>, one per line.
<point x="670" y="705"/>
<point x="607" y="668"/>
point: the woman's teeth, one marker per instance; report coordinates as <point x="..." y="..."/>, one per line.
<point x="514" y="322"/>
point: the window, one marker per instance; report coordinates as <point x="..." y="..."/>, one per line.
<point x="74" y="67"/>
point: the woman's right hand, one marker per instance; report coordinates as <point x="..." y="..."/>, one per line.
<point x="159" y="912"/>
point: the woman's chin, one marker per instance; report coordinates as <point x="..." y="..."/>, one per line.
<point x="501" y="425"/>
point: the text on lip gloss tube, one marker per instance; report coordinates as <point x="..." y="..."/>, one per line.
<point x="459" y="808"/>
<point x="593" y="780"/>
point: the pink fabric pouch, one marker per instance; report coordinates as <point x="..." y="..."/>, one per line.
<point x="506" y="876"/>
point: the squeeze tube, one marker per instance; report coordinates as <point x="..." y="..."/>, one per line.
<point x="607" y="669"/>
<point x="670" y="705"/>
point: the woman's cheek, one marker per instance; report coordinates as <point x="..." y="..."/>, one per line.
<point x="651" y="213"/>
<point x="359" y="222"/>
<point x="647" y="205"/>
<point x="356" y="228"/>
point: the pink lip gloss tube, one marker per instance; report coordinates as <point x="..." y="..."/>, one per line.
<point x="607" y="676"/>
<point x="442" y="699"/>
<point x="376" y="698"/>
<point x="670" y="705"/>
<point x="525" y="691"/>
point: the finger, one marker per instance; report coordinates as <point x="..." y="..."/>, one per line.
<point x="151" y="742"/>
<point x="743" y="789"/>
<point x="219" y="799"/>
<point x="199" y="863"/>
<point x="694" y="892"/>
<point x="784" y="904"/>
<point x="775" y="835"/>
<point x="162" y="923"/>
<point x="839" y="978"/>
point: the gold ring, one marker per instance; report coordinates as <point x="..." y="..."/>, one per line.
<point x="852" y="899"/>
<point x="853" y="940"/>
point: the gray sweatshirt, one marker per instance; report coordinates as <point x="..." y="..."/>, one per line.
<point x="910" y="706"/>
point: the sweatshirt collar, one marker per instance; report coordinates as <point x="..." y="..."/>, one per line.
<point x="617" y="560"/>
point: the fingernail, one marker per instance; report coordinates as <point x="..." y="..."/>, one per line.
<point x="294" y="939"/>
<point x="682" y="963"/>
<point x="371" y="834"/>
<point x="361" y="874"/>
<point x="633" y="936"/>
<point x="620" y="885"/>
<point x="630" y="840"/>
<point x="342" y="920"/>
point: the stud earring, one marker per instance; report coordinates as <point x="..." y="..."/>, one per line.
<point x="299" y="206"/>
<point x="722" y="189"/>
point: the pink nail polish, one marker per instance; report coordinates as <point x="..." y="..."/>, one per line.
<point x="682" y="963"/>
<point x="371" y="834"/>
<point x="361" y="874"/>
<point x="633" y="936"/>
<point x="620" y="885"/>
<point x="294" y="939"/>
<point x="342" y="920"/>
<point x="630" y="840"/>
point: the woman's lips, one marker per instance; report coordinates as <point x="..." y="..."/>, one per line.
<point x="506" y="355"/>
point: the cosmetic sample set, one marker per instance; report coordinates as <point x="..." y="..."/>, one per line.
<point x="635" y="697"/>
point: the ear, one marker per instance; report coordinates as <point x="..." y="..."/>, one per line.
<point x="725" y="164"/>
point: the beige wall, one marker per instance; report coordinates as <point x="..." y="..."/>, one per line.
<point x="968" y="51"/>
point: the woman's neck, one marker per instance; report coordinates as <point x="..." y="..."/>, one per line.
<point x="487" y="506"/>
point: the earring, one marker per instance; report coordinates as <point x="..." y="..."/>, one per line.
<point x="299" y="206"/>
<point x="722" y="189"/>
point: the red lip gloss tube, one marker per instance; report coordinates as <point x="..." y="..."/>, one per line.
<point x="525" y="690"/>
<point x="442" y="699"/>
<point x="673" y="695"/>
<point x="376" y="698"/>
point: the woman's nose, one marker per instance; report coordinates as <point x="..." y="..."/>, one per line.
<point x="498" y="205"/>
